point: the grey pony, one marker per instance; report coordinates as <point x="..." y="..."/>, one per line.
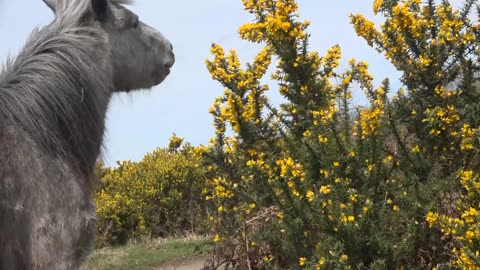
<point x="53" y="100"/>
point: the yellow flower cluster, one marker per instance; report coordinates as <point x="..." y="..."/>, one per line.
<point x="469" y="138"/>
<point x="434" y="30"/>
<point x="242" y="104"/>
<point x="331" y="60"/>
<point x="289" y="167"/>
<point x="222" y="188"/>
<point x="293" y="174"/>
<point x="432" y="218"/>
<point x="365" y="28"/>
<point x="369" y="121"/>
<point x="439" y="119"/>
<point x="274" y="21"/>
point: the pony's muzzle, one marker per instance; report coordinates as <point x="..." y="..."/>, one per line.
<point x="170" y="59"/>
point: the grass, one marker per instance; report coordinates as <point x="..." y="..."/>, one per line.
<point x="145" y="255"/>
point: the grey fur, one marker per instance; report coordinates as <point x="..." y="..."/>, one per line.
<point x="53" y="100"/>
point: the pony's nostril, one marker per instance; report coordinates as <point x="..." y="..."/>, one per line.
<point x="170" y="60"/>
<point x="171" y="46"/>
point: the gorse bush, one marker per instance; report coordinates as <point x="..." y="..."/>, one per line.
<point x="318" y="183"/>
<point x="156" y="197"/>
<point x="438" y="51"/>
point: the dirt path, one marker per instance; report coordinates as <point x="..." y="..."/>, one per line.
<point x="192" y="263"/>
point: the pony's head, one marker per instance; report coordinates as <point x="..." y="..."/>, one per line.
<point x="140" y="57"/>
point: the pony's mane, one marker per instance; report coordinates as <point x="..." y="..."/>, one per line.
<point x="55" y="88"/>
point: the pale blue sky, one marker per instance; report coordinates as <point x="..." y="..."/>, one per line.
<point x="138" y="123"/>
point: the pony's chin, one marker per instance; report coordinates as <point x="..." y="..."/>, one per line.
<point x="157" y="79"/>
<point x="161" y="77"/>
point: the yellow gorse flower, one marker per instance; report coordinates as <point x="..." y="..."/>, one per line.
<point x="302" y="261"/>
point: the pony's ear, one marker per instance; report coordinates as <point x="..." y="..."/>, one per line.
<point x="51" y="4"/>
<point x="101" y="9"/>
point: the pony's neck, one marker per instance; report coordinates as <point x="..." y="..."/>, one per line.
<point x="57" y="90"/>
